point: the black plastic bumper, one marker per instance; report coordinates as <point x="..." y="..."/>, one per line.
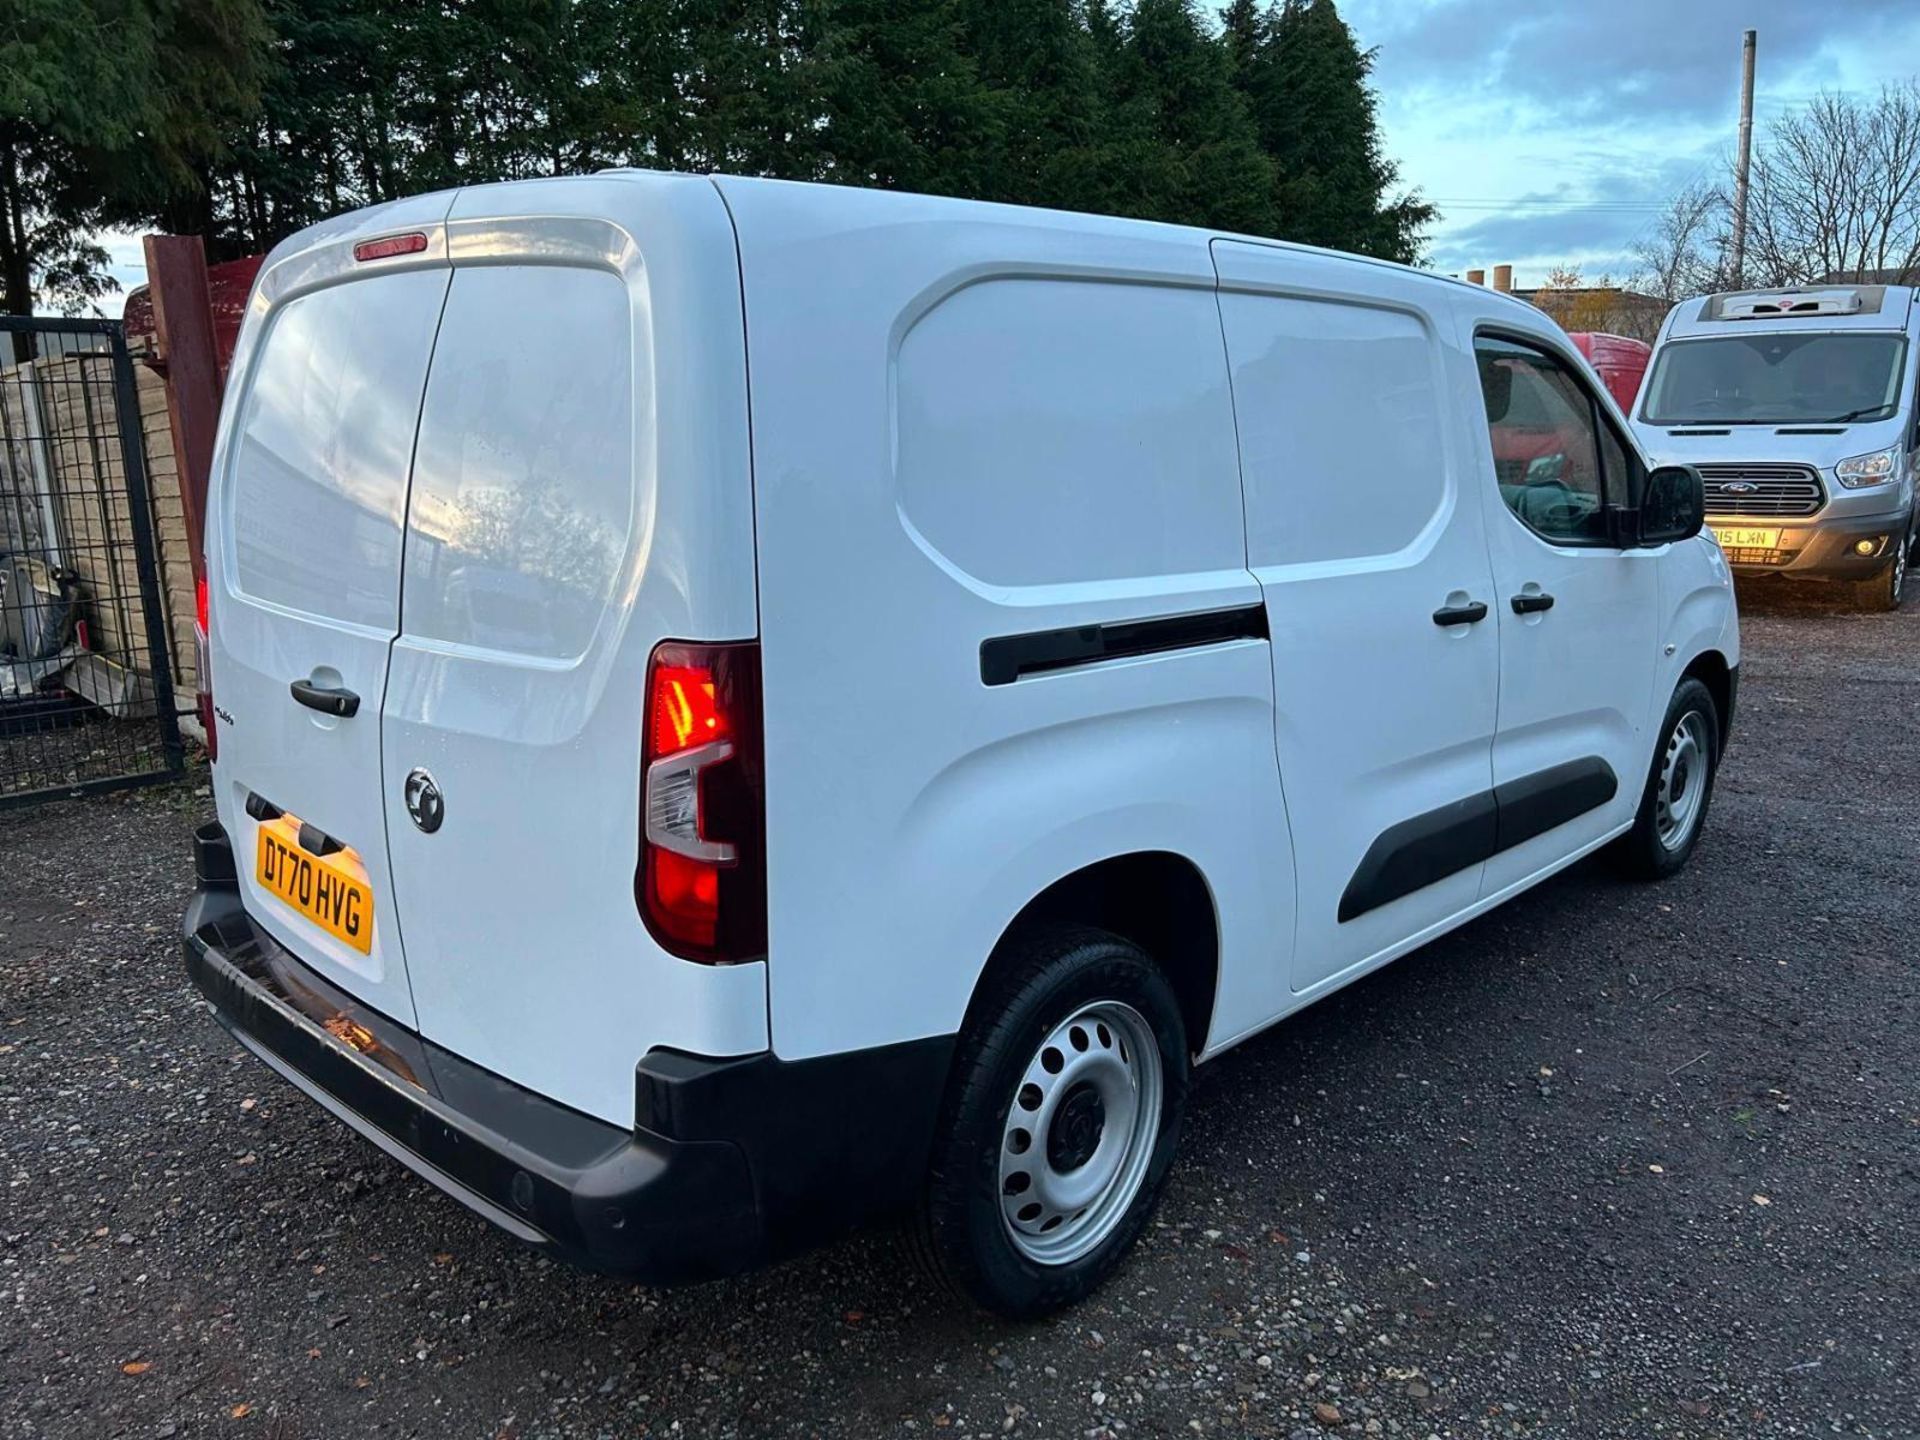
<point x="731" y="1163"/>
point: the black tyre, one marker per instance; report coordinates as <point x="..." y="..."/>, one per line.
<point x="1060" y="1124"/>
<point x="1673" y="807"/>
<point x="1887" y="589"/>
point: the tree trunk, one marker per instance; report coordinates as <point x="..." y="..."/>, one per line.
<point x="16" y="265"/>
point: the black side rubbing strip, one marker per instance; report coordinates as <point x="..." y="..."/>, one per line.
<point x="1419" y="851"/>
<point x="1006" y="658"/>
<point x="1416" y="852"/>
<point x="1535" y="804"/>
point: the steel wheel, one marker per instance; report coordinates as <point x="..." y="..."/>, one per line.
<point x="1080" y="1132"/>
<point x="1681" y="796"/>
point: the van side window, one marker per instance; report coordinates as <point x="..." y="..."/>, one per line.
<point x="1548" y="442"/>
<point x="1055" y="431"/>
<point x="1342" y="425"/>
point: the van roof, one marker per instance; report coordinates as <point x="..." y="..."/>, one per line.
<point x="434" y="206"/>
<point x="912" y="204"/>
<point x="1794" y="307"/>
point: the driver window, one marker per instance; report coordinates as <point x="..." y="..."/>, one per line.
<point x="1545" y="453"/>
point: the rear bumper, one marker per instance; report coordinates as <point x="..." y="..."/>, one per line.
<point x="1820" y="549"/>
<point x="730" y="1164"/>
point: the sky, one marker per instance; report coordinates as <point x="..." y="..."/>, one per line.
<point x="1552" y="133"/>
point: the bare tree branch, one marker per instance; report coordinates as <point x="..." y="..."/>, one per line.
<point x="1836" y="192"/>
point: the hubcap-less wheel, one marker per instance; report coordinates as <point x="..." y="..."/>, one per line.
<point x="1683" y="781"/>
<point x="1899" y="569"/>
<point x="1080" y="1133"/>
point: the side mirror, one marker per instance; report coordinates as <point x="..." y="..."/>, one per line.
<point x="1674" y="506"/>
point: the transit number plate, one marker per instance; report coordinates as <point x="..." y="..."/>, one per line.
<point x="1746" y="537"/>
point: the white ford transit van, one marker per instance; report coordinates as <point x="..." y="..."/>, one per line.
<point x="745" y="708"/>
<point x="1799" y="408"/>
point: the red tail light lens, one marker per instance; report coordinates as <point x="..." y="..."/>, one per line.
<point x="202" y="662"/>
<point x="393" y="245"/>
<point x="702" y="886"/>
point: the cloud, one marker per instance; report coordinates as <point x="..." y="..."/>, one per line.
<point x="1555" y="133"/>
<point x="1589" y="62"/>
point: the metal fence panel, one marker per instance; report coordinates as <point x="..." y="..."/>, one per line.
<point x="86" y="690"/>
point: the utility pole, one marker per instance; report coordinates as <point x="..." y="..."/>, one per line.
<point x="1748" y="42"/>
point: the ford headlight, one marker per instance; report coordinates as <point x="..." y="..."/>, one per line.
<point x="1864" y="470"/>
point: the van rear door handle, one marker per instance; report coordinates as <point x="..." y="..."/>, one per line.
<point x="1532" y="603"/>
<point x="327" y="699"/>
<point x="1472" y="613"/>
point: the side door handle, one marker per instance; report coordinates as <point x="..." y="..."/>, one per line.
<point x="1472" y="613"/>
<point x="1533" y="603"/>
<point x="327" y="699"/>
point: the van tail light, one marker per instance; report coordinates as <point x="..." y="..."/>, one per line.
<point x="702" y="881"/>
<point x="202" y="667"/>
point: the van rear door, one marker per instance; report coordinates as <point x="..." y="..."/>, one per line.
<point x="581" y="492"/>
<point x="305" y="566"/>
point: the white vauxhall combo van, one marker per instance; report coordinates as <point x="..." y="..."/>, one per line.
<point x="747" y="708"/>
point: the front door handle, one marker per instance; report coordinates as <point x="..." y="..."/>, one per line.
<point x="327" y="699"/>
<point x="1471" y="613"/>
<point x="1532" y="603"/>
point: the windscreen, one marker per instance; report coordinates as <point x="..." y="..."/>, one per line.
<point x="1773" y="378"/>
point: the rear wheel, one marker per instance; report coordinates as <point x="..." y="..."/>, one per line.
<point x="1673" y="806"/>
<point x="1887" y="589"/>
<point x="1061" y="1121"/>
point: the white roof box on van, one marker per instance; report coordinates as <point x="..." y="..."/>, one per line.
<point x="1808" y="301"/>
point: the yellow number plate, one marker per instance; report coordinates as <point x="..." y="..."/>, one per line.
<point x="1746" y="537"/>
<point x="330" y="890"/>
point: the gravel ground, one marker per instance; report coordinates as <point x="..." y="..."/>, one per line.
<point x="1613" y="1161"/>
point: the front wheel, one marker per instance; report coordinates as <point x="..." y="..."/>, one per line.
<point x="1060" y="1125"/>
<point x="1673" y="807"/>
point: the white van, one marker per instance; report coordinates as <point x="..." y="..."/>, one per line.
<point x="1801" y="410"/>
<point x="746" y="708"/>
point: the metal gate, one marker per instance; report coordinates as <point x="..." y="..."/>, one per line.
<point x="86" y="691"/>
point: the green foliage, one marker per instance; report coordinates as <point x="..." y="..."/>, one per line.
<point x="108" y="107"/>
<point x="244" y="120"/>
<point x="1305" y="81"/>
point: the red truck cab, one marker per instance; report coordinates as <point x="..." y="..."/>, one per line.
<point x="1621" y="362"/>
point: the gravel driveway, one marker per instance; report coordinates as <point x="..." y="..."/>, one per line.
<point x="1612" y="1161"/>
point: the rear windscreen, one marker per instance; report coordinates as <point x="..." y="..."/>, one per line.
<point x="523" y="478"/>
<point x="318" y="481"/>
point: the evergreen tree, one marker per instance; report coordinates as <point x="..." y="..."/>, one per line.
<point x="1244" y="26"/>
<point x="1039" y="66"/>
<point x="902" y="104"/>
<point x="1307" y="84"/>
<point x="244" y="120"/>
<point x="748" y="86"/>
<point x="1208" y="169"/>
<point x="108" y="108"/>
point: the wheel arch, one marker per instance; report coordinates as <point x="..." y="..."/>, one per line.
<point x="1156" y="899"/>
<point x="1711" y="669"/>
